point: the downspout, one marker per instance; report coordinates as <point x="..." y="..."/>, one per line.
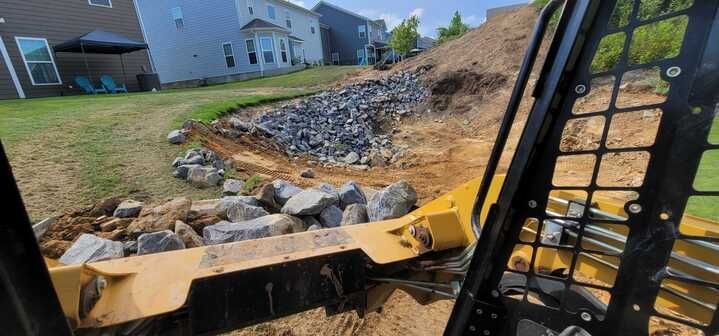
<point x="260" y="54"/>
<point x="274" y="47"/>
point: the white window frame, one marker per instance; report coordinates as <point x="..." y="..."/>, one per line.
<point x="286" y="51"/>
<point x="288" y="20"/>
<point x="336" y="60"/>
<point x="274" y="11"/>
<point x="251" y="7"/>
<point x="27" y="67"/>
<point x="181" y="26"/>
<point x="312" y="26"/>
<point x="362" y="29"/>
<point x="272" y="50"/>
<point x="257" y="54"/>
<point x="232" y="54"/>
<point x="92" y="4"/>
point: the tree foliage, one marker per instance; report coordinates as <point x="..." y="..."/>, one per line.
<point x="405" y="35"/>
<point x="455" y="29"/>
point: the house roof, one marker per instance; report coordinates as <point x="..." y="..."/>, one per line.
<point x="289" y="4"/>
<point x="259" y="24"/>
<point x="100" y="42"/>
<point x="381" y="23"/>
<point x="346" y="11"/>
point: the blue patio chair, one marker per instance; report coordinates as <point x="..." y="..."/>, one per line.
<point x="109" y="84"/>
<point x="87" y="86"/>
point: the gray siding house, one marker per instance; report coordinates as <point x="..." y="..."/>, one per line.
<point x="30" y="28"/>
<point x="213" y="41"/>
<point x="352" y="38"/>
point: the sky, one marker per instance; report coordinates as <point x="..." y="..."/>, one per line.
<point x="432" y="13"/>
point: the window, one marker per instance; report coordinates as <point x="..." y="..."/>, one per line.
<point x="178" y="18"/>
<point x="312" y="29"/>
<point x="362" y="29"/>
<point x="38" y="61"/>
<point x="229" y="54"/>
<point x="288" y="19"/>
<point x="101" y="3"/>
<point x="360" y="56"/>
<point x="336" y="58"/>
<point x="251" y="7"/>
<point x="271" y="12"/>
<point x="283" y="51"/>
<point x="268" y="52"/>
<point x="251" y="51"/>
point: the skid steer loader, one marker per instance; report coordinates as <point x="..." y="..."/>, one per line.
<point x="522" y="253"/>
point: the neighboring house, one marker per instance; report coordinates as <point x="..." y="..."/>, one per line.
<point x="29" y="29"/>
<point x="424" y="43"/>
<point x="212" y="41"/>
<point x="492" y="12"/>
<point x="352" y="38"/>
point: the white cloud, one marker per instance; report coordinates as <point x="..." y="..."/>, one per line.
<point x="392" y="20"/>
<point x="298" y="3"/>
<point x="474" y="20"/>
<point x="418" y="12"/>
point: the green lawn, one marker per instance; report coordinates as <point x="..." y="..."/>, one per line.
<point x="68" y="152"/>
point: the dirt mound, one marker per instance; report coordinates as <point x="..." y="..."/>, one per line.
<point x="464" y="83"/>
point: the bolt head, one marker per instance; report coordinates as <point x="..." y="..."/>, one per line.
<point x="585" y="316"/>
<point x="674" y="71"/>
<point x="635" y="208"/>
<point x="580" y="89"/>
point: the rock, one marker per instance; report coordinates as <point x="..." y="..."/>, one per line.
<point x="225" y="203"/>
<point x="194" y="159"/>
<point x="160" y="241"/>
<point x="314" y="227"/>
<point x="267" y="226"/>
<point x="128" y="208"/>
<point x="308" y="173"/>
<point x="284" y="191"/>
<point x="41" y="227"/>
<point x="188" y="235"/>
<point x="369" y="192"/>
<point x="331" y="216"/>
<point x="377" y="160"/>
<point x="89" y="248"/>
<point x="130" y="247"/>
<point x="105" y="207"/>
<point x="351" y="193"/>
<point x="392" y="202"/>
<point x="240" y="212"/>
<point x="308" y="202"/>
<point x="355" y="214"/>
<point x="161" y="218"/>
<point x="204" y="177"/>
<point x="203" y="208"/>
<point x="114" y="235"/>
<point x="178" y="161"/>
<point x="310" y="221"/>
<point x="232" y="187"/>
<point x="266" y="197"/>
<point x="199" y="223"/>
<point x="115" y="223"/>
<point x="54" y="248"/>
<point x="351" y="158"/>
<point x="176" y="137"/>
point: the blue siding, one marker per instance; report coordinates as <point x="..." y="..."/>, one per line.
<point x="343" y="32"/>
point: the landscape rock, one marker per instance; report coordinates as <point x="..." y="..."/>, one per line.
<point x="128" y="208"/>
<point x="54" y="248"/>
<point x="105" y="207"/>
<point x="161" y="217"/>
<point x="266" y="197"/>
<point x="351" y="193"/>
<point x="89" y="248"/>
<point x="284" y="191"/>
<point x="267" y="226"/>
<point x="308" y="173"/>
<point x="225" y="203"/>
<point x="232" y="187"/>
<point x="199" y="223"/>
<point x="176" y="137"/>
<point x="130" y="247"/>
<point x="331" y="216"/>
<point x="392" y="202"/>
<point x="351" y="158"/>
<point x="160" y="241"/>
<point x="115" y="223"/>
<point x="183" y="171"/>
<point x="308" y="202"/>
<point x="204" y="177"/>
<point x="310" y="221"/>
<point x="189" y="237"/>
<point x="240" y="212"/>
<point x="355" y="214"/>
<point x="314" y="227"/>
<point x="41" y="227"/>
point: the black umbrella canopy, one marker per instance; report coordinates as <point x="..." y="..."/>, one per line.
<point x="100" y="42"/>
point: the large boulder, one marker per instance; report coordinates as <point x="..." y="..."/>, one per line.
<point x="232" y="187"/>
<point x="176" y="137"/>
<point x="392" y="202"/>
<point x="204" y="177"/>
<point x="160" y="241"/>
<point x="240" y="212"/>
<point x="89" y="248"/>
<point x="266" y="196"/>
<point x="128" y="208"/>
<point x="182" y="171"/>
<point x="331" y="216"/>
<point x="225" y="203"/>
<point x="284" y="191"/>
<point x="308" y="202"/>
<point x="355" y="214"/>
<point x="310" y="221"/>
<point x="161" y="217"/>
<point x="267" y="226"/>
<point x="188" y="235"/>
<point x="351" y="193"/>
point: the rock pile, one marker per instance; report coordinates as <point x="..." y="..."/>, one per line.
<point x="116" y="228"/>
<point x="200" y="167"/>
<point x="341" y="127"/>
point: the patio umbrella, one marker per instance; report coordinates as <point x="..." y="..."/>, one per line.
<point x="101" y="42"/>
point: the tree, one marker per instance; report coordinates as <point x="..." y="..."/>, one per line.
<point x="405" y="35"/>
<point x="455" y="29"/>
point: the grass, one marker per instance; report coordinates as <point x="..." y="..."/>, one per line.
<point x="69" y="152"/>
